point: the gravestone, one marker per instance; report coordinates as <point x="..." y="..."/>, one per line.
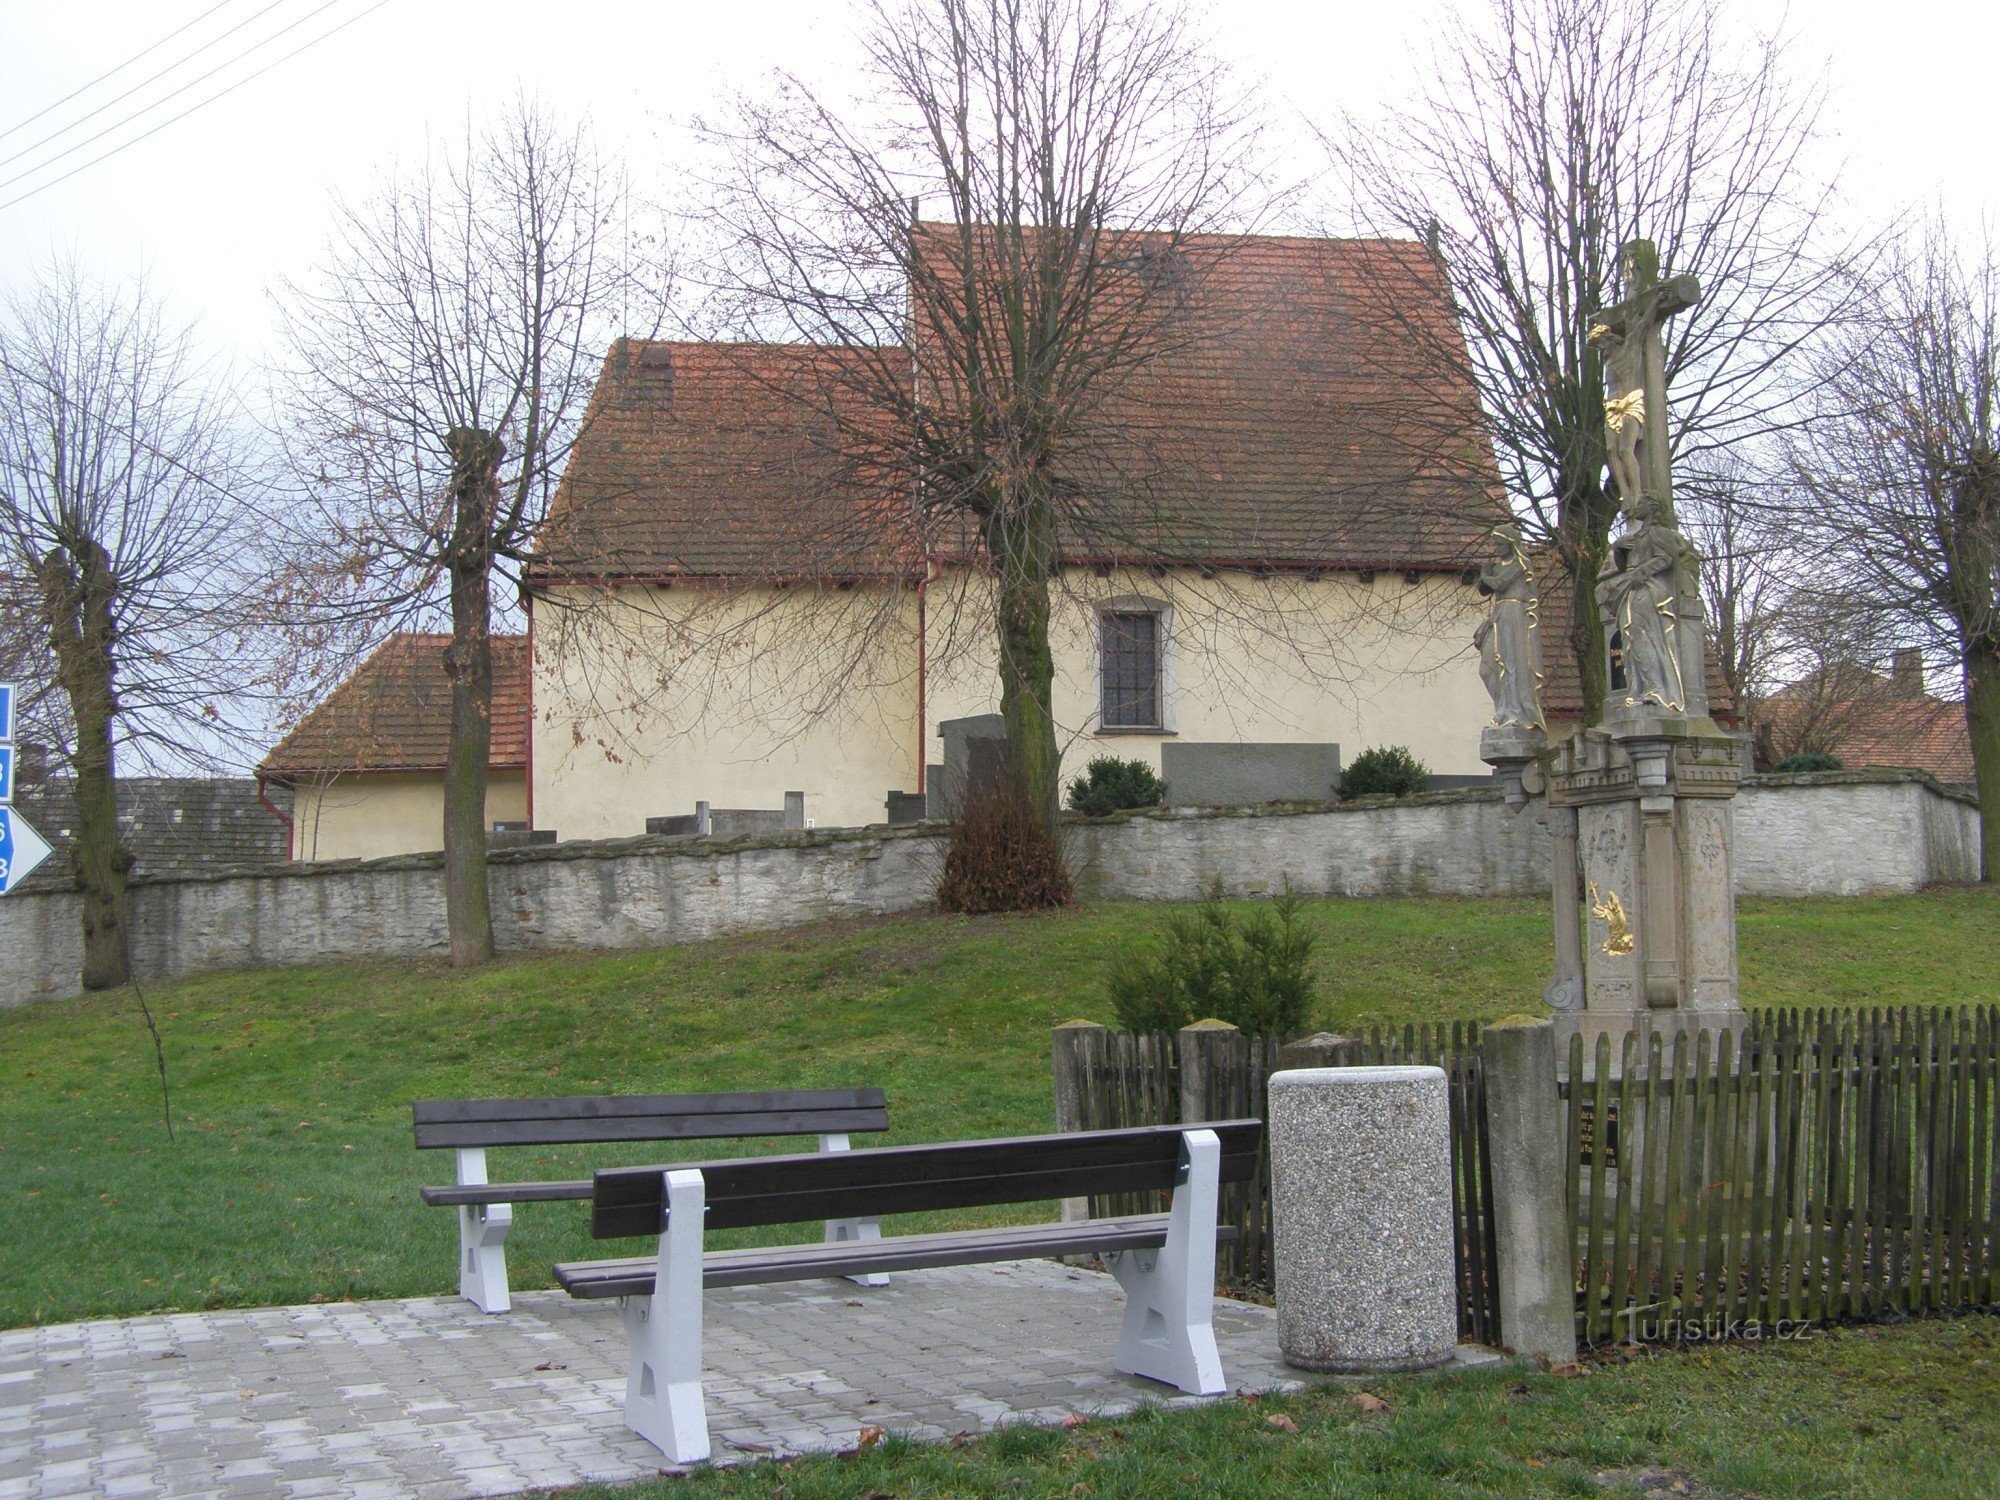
<point x="975" y="751"/>
<point x="1245" y="775"/>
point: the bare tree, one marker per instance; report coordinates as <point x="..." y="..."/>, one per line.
<point x="1750" y="569"/>
<point x="117" y="465"/>
<point x="1073" y="152"/>
<point x="441" y="358"/>
<point x="1541" y="136"/>
<point x="1899" y="469"/>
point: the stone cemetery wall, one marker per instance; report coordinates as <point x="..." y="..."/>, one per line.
<point x="1840" y="834"/>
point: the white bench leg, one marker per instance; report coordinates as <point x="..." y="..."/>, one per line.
<point x="1169" y="1332"/>
<point x="841" y="1231"/>
<point x="663" y="1401"/>
<point x="482" y="1240"/>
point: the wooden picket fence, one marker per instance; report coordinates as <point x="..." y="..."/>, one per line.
<point x="1825" y="1165"/>
<point x="1137" y="1078"/>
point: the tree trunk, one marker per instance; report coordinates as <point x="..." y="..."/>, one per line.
<point x="1982" y="722"/>
<point x="77" y="596"/>
<point x="1023" y="548"/>
<point x="468" y="663"/>
<point x="1589" y="546"/>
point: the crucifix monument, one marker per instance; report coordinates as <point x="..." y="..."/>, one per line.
<point x="1639" y="805"/>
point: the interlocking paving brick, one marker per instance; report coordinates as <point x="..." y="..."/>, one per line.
<point x="431" y="1399"/>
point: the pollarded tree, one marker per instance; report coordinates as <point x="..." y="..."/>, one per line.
<point x="439" y="364"/>
<point x="121" y="520"/>
<point x="1069" y="152"/>
<point x="1543" y="135"/>
<point x="1899" y="469"/>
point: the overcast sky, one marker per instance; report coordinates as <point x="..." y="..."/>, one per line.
<point x="219" y="204"/>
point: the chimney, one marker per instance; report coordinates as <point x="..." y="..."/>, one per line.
<point x="1907" y="676"/>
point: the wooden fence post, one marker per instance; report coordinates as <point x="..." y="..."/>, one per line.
<point x="1526" y="1147"/>
<point x="1202" y="1047"/>
<point x="1072" y="1046"/>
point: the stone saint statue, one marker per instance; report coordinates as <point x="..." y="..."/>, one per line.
<point x="1509" y="638"/>
<point x="1627" y="335"/>
<point x="1640" y="588"/>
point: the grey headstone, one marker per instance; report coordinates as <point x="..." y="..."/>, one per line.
<point x="1226" y="775"/>
<point x="1361" y="1211"/>
<point x="907" y="807"/>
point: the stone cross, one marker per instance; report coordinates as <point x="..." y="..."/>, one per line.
<point x="1635" y="375"/>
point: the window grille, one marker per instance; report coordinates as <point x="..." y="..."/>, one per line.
<point x="1131" y="671"/>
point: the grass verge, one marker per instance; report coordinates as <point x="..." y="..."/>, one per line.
<point x="294" y="1178"/>
<point x="1904" y="1411"/>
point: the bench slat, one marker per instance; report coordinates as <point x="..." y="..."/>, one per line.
<point x="455" y="1195"/>
<point x="907" y="1179"/>
<point x="443" y="1123"/>
<point x="633" y="1276"/>
<point x="607" y="1128"/>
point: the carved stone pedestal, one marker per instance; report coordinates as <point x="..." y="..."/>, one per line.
<point x="1654" y="935"/>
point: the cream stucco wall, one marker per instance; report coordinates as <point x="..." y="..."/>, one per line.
<point x="648" y="700"/>
<point x="369" y="815"/>
<point x="1284" y="659"/>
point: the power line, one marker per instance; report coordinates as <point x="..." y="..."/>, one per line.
<point x="198" y="104"/>
<point x="112" y="73"/>
<point x="155" y="105"/>
<point x="61" y="131"/>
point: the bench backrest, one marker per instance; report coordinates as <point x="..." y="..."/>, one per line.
<point x="910" y="1179"/>
<point x="647" y="1117"/>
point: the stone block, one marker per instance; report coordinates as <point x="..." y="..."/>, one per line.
<point x="1361" y="1207"/>
<point x="1244" y="775"/>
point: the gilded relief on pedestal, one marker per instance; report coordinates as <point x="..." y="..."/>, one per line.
<point x="1611" y="912"/>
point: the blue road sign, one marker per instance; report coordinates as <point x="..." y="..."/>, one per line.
<point x="6" y="773"/>
<point x="21" y="849"/>
<point x="6" y="710"/>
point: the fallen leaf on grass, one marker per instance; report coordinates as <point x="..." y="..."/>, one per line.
<point x="865" y="1439"/>
<point x="1370" y="1403"/>
<point x="1282" y="1422"/>
<point x="1074" y="1421"/>
<point x="1569" y="1371"/>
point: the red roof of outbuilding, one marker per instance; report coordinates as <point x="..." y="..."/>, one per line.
<point x="393" y="713"/>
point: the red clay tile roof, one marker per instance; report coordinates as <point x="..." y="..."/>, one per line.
<point x="393" y="713"/>
<point x="1304" y="426"/>
<point x="1921" y="732"/>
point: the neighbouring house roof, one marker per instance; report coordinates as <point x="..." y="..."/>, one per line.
<point x="1310" y="422"/>
<point x="172" y="825"/>
<point x="1562" y="685"/>
<point x="1882" y="728"/>
<point x="393" y="713"/>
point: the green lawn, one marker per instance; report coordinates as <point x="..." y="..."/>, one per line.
<point x="1858" y="1412"/>
<point x="293" y="1177"/>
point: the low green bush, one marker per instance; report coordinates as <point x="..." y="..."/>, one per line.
<point x="1252" y="970"/>
<point x="1389" y="769"/>
<point x="1110" y="785"/>
<point x="1810" y="760"/>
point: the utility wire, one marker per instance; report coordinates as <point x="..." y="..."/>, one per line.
<point x="61" y="131"/>
<point x="112" y="73"/>
<point x="149" y="108"/>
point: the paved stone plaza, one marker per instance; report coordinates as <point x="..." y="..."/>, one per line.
<point x="430" y="1397"/>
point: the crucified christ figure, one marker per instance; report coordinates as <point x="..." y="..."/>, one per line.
<point x="1635" y="375"/>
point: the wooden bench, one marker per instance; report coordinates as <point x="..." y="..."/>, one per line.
<point x="1165" y="1261"/>
<point x="485" y="1209"/>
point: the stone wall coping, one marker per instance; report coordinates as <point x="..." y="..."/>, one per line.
<point x="1865" y="776"/>
<point x="694" y="846"/>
